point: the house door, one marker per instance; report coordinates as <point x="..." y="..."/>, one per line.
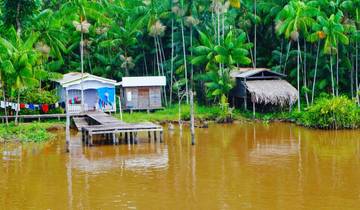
<point x="144" y="101"/>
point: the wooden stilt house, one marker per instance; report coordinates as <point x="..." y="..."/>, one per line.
<point x="142" y="93"/>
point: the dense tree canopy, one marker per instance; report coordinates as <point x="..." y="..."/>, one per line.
<point x="195" y="44"/>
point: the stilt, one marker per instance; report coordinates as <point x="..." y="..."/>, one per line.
<point x="149" y="136"/>
<point x="114" y="138"/>
<point x="161" y="137"/>
<point x="135" y="138"/>
<point x="155" y="136"/>
<point x="254" y="109"/>
<point x="127" y="138"/>
<point x="131" y="138"/>
<point x="91" y="139"/>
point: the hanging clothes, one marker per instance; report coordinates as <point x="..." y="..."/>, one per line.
<point x="45" y="108"/>
<point x="22" y="106"/>
<point x="2" y="104"/>
<point x="31" y="107"/>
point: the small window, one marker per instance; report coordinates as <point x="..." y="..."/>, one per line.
<point x="129" y="96"/>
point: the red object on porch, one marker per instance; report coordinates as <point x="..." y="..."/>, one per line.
<point x="22" y="106"/>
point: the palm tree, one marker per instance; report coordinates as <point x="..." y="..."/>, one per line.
<point x="21" y="58"/>
<point x="334" y="34"/>
<point x="294" y="20"/>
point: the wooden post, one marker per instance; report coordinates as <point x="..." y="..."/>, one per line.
<point x="245" y="97"/>
<point x="114" y="138"/>
<point x="126" y="138"/>
<point x="135" y="138"/>
<point x="120" y="108"/>
<point x="149" y="136"/>
<point x="67" y="119"/>
<point x="155" y="136"/>
<point x="254" y="109"/>
<point x="91" y="139"/>
<point x="192" y="118"/>
<point x="131" y="138"/>
<point x="161" y="137"/>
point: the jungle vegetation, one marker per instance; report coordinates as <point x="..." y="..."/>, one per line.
<point x="195" y="44"/>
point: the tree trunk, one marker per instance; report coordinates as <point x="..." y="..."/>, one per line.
<point x="315" y="74"/>
<point x="172" y="60"/>
<point x="5" y="109"/>
<point x="305" y="75"/>
<point x="185" y="64"/>
<point x="251" y="52"/>
<point x="357" y="72"/>
<point x="255" y="33"/>
<point x="191" y="55"/>
<point x="287" y="56"/>
<point x="298" y="75"/>
<point x="18" y="23"/>
<point x="82" y="69"/>
<point x="17" y="108"/>
<point x="332" y="75"/>
<point x="337" y="73"/>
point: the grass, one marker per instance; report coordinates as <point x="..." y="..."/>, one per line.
<point x="168" y="114"/>
<point x="28" y="132"/>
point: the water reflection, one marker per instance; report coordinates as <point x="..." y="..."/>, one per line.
<point x="236" y="166"/>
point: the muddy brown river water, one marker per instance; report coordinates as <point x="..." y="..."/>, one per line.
<point x="239" y="166"/>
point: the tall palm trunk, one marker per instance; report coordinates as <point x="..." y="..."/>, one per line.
<point x="172" y="60"/>
<point x="315" y="74"/>
<point x="332" y="74"/>
<point x="298" y="75"/>
<point x="5" y="109"/>
<point x="305" y="75"/>
<point x="191" y="55"/>
<point x="287" y="56"/>
<point x="82" y="69"/>
<point x="357" y="72"/>
<point x="251" y="51"/>
<point x="337" y="73"/>
<point x="17" y="108"/>
<point x="255" y="33"/>
<point x="185" y="63"/>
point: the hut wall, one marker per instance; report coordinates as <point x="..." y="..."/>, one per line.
<point x="155" y="97"/>
<point x="239" y="90"/>
<point x="142" y="97"/>
<point x="131" y="98"/>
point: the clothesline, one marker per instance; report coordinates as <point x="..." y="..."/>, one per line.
<point x="17" y="107"/>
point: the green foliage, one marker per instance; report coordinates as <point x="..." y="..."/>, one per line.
<point x="39" y="96"/>
<point x="332" y="113"/>
<point x="32" y="132"/>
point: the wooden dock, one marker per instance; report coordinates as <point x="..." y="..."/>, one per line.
<point x="110" y="128"/>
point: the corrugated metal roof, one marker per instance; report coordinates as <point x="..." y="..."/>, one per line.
<point x="75" y="78"/>
<point x="150" y="81"/>
<point x="248" y="72"/>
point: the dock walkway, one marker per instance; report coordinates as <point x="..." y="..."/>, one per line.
<point x="101" y="124"/>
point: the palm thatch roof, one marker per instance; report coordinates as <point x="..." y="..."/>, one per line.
<point x="275" y="92"/>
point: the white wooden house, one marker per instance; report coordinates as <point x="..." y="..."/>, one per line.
<point x="99" y="92"/>
<point x="142" y="93"/>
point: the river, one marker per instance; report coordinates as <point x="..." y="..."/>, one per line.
<point x="238" y="166"/>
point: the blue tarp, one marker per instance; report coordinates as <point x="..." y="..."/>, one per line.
<point x="106" y="97"/>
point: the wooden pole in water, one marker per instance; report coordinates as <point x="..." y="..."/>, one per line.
<point x="67" y="120"/>
<point x="192" y="118"/>
<point x="120" y="109"/>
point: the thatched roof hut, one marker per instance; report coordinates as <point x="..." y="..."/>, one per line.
<point x="275" y="92"/>
<point x="263" y="86"/>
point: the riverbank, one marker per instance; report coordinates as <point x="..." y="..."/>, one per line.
<point x="30" y="132"/>
<point x="171" y="114"/>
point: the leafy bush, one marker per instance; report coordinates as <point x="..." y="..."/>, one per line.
<point x="29" y="132"/>
<point x="331" y="113"/>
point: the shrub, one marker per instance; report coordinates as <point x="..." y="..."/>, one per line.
<point x="332" y="113"/>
